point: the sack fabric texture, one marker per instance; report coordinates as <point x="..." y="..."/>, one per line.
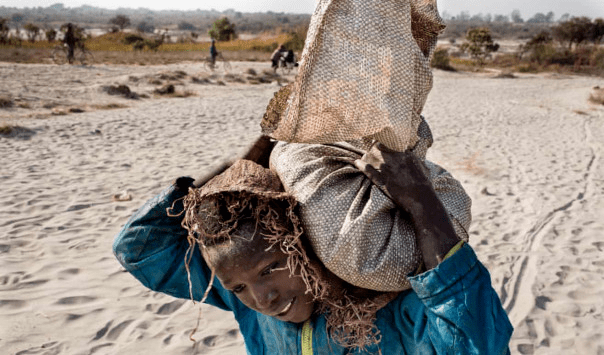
<point x="354" y="227"/>
<point x="364" y="74"/>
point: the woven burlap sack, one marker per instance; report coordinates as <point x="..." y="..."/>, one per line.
<point x="355" y="229"/>
<point x="364" y="74"/>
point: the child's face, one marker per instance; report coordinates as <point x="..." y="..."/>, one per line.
<point x="259" y="276"/>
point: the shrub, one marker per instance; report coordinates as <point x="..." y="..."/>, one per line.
<point x="133" y="38"/>
<point x="480" y="44"/>
<point x="576" y="30"/>
<point x="223" y="30"/>
<point x="186" y="26"/>
<point x="145" y="27"/>
<point x="5" y="130"/>
<point x="296" y="39"/>
<point x="597" y="58"/>
<point x="51" y="34"/>
<point x="3" y="31"/>
<point x="32" y="31"/>
<point x="6" y="102"/>
<point x="597" y="96"/>
<point x="441" y="60"/>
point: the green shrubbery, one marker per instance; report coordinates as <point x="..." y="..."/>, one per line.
<point x="441" y="60"/>
<point x="479" y="44"/>
<point x="223" y="30"/>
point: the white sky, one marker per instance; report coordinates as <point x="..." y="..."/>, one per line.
<point x="591" y="8"/>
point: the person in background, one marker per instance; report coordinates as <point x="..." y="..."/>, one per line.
<point x="70" y="41"/>
<point x="276" y="57"/>
<point x="213" y="52"/>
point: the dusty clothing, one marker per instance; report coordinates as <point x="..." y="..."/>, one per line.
<point x="451" y="309"/>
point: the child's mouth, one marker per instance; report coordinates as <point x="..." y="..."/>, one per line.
<point x="286" y="308"/>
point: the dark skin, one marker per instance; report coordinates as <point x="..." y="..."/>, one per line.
<point x="401" y="175"/>
<point x="257" y="274"/>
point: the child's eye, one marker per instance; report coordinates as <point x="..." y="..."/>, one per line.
<point x="269" y="269"/>
<point x="238" y="289"/>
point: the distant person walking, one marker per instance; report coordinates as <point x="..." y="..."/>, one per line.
<point x="70" y="40"/>
<point x="213" y="52"/>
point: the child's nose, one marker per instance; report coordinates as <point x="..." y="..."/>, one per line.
<point x="265" y="297"/>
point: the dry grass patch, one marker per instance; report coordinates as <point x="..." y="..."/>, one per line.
<point x="10" y="131"/>
<point x="6" y="102"/>
<point x="6" y="130"/>
<point x="185" y="93"/>
<point x="111" y="106"/>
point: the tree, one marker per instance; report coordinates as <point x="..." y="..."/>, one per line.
<point x="120" y="21"/>
<point x="4" y="31"/>
<point x="51" y="34"/>
<point x="477" y="18"/>
<point x="576" y="30"/>
<point x="32" y="31"/>
<point x="549" y="18"/>
<point x="597" y="31"/>
<point x="463" y="16"/>
<point x="539" y="47"/>
<point x="223" y="30"/>
<point x="480" y="44"/>
<point x="145" y="26"/>
<point x="538" y="18"/>
<point x="501" y="18"/>
<point x="516" y="17"/>
<point x="186" y="26"/>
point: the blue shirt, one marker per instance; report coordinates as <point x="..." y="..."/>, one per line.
<point x="451" y="309"/>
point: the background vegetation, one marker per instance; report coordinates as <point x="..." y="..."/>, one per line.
<point x="564" y="44"/>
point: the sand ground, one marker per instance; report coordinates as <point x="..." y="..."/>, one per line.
<point x="528" y="150"/>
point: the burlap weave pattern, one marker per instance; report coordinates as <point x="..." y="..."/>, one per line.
<point x="354" y="228"/>
<point x="364" y="73"/>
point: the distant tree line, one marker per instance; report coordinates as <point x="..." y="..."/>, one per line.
<point x="148" y="20"/>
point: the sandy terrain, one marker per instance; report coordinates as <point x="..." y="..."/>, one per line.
<point x="528" y="150"/>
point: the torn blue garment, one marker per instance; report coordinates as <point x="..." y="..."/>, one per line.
<point x="451" y="309"/>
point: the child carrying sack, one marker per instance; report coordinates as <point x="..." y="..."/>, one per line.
<point x="364" y="74"/>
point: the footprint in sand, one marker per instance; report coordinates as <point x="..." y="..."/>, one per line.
<point x="169" y="308"/>
<point x="76" y="300"/>
<point x="209" y="341"/>
<point x="118" y="329"/>
<point x="52" y="348"/>
<point x="12" y="304"/>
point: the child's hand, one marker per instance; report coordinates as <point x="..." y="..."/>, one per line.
<point x="400" y="175"/>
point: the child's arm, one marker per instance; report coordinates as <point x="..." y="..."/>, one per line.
<point x="152" y="246"/>
<point x="402" y="176"/>
<point x="463" y="313"/>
